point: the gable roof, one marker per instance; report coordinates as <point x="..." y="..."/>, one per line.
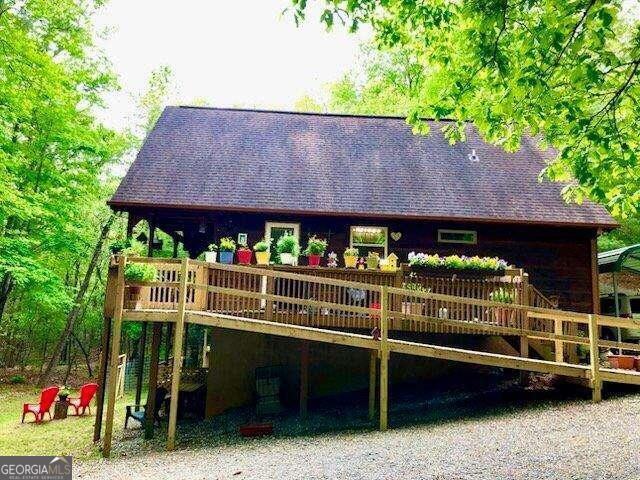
<point x="286" y="162"/>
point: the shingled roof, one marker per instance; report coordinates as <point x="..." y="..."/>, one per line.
<point x="285" y="162"/>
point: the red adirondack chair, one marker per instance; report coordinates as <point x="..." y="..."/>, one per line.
<point x="47" y="397"/>
<point x="82" y="402"/>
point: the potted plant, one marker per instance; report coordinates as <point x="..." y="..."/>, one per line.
<point x="119" y="245"/>
<point x="288" y="248"/>
<point x="350" y="257"/>
<point x="413" y="307"/>
<point x="137" y="273"/>
<point x="502" y="295"/>
<point x="211" y="253"/>
<point x="373" y="259"/>
<point x="315" y="250"/>
<point x="244" y="254"/>
<point x="262" y="252"/>
<point x="227" y="249"/>
<point x="63" y="394"/>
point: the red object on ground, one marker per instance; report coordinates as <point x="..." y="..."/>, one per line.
<point x="624" y="362"/>
<point x="82" y="402"/>
<point x="636" y="363"/>
<point x="47" y="397"/>
<point x="256" y="430"/>
<point x="244" y="257"/>
<point x="314" y="260"/>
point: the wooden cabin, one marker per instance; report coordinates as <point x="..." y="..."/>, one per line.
<point x="358" y="181"/>
<point x="206" y="173"/>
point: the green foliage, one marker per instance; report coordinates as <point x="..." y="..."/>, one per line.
<point x="119" y="245"/>
<point x="140" y="272"/>
<point x="212" y="247"/>
<point x="351" y="252"/>
<point x="288" y="244"/>
<point x="627" y="234"/>
<point x="373" y="255"/>
<point x="17" y="379"/>
<point x="315" y="246"/>
<point x="227" y="244"/>
<point x="457" y="262"/>
<point x="502" y="295"/>
<point x="564" y="72"/>
<point x="261" y="246"/>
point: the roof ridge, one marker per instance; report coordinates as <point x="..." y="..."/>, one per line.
<point x="319" y="114"/>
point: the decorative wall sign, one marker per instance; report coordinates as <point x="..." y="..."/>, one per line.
<point x="396" y="236"/>
<point x="242" y="239"/>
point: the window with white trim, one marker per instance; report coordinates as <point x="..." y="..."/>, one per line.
<point x="457" y="236"/>
<point x="369" y="239"/>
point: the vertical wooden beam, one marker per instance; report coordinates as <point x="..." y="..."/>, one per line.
<point x="140" y="372"/>
<point x="594" y="354"/>
<point x="559" y="344"/>
<point x="373" y="360"/>
<point x="177" y="356"/>
<point x="384" y="358"/>
<point x="304" y="378"/>
<point x="102" y="377"/>
<point x="115" y="352"/>
<point x="154" y="358"/>
<point x="526" y="323"/>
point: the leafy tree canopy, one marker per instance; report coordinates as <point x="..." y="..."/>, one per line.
<point x="566" y="71"/>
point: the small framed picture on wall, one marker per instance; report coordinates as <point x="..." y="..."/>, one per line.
<point x="242" y="239"/>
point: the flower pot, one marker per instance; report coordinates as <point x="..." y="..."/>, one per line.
<point x="314" y="260"/>
<point x="624" y="362"/>
<point x="210" y="256"/>
<point x="503" y="316"/>
<point x="350" y="261"/>
<point x="244" y="257"/>
<point x="412" y="308"/>
<point x="372" y="263"/>
<point x="286" y="258"/>
<point x="226" y="257"/>
<point x="132" y="301"/>
<point x="262" y="258"/>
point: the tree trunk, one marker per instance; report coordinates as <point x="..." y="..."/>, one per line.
<point x="75" y="310"/>
<point x="5" y="289"/>
<point x="85" y="354"/>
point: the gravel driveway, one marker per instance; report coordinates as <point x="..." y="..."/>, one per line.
<point x="557" y="440"/>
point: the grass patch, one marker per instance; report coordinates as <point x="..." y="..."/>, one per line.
<point x="71" y="436"/>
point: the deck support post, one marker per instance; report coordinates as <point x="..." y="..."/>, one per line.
<point x="594" y="354"/>
<point x="177" y="356"/>
<point x="384" y="358"/>
<point x="373" y="361"/>
<point x="115" y="352"/>
<point x="140" y="373"/>
<point x="559" y="344"/>
<point x="304" y="378"/>
<point x="154" y="358"/>
<point x="526" y="323"/>
<point x="102" y="377"/>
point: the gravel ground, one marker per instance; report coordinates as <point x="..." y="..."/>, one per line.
<point x="494" y="436"/>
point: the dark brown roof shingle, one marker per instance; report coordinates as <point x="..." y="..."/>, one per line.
<point x="230" y="159"/>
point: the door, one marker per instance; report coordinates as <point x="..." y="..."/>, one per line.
<point x="275" y="230"/>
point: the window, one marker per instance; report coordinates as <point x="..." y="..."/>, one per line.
<point x="458" y="236"/>
<point x="274" y="230"/>
<point x="369" y="239"/>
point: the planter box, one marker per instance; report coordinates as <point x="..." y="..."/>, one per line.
<point x="210" y="256"/>
<point x="256" y="430"/>
<point x="350" y="261"/>
<point x="448" y="272"/>
<point x="262" y="258"/>
<point x="244" y="257"/>
<point x="314" y="260"/>
<point x="623" y="362"/>
<point x="287" y="259"/>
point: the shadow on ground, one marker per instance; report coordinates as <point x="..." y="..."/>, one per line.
<point x="492" y="394"/>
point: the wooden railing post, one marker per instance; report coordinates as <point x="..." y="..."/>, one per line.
<point x="594" y="353"/>
<point x="177" y="356"/>
<point x="384" y="357"/>
<point x="115" y="353"/>
<point x="526" y="322"/>
<point x="373" y="362"/>
<point x="559" y="344"/>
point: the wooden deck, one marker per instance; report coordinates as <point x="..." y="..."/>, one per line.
<point x="327" y="308"/>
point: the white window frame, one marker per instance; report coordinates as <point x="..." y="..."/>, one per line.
<point x="370" y="245"/>
<point x="463" y="232"/>
<point x="269" y="225"/>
